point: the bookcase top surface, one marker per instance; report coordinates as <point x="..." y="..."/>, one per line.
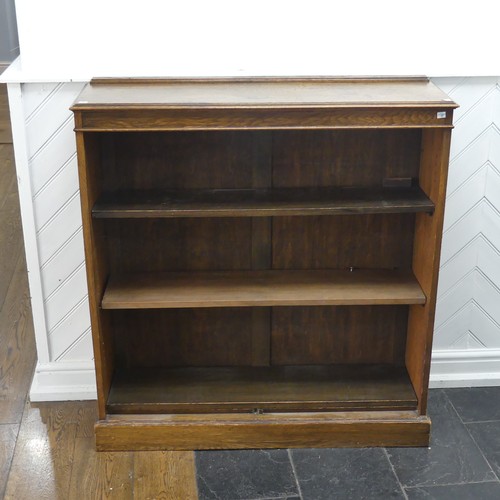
<point x="261" y="93"/>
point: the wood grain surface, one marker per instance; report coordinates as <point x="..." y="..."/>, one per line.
<point x="271" y="104"/>
<point x="8" y="437"/>
<point x="261" y="203"/>
<point x="55" y="457"/>
<point x="17" y="343"/>
<point x="266" y="389"/>
<point x="344" y="334"/>
<point x="293" y="430"/>
<point x="164" y="474"/>
<point x="426" y="255"/>
<point x="291" y="118"/>
<point x="17" y="355"/>
<point x="5" y="131"/>
<point x="261" y="288"/>
<point x="271" y="92"/>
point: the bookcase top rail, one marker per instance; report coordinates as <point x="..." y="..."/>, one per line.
<point x="261" y="92"/>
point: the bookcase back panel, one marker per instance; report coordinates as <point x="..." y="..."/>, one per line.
<point x="246" y="159"/>
<point x="339" y="242"/>
<point x="226" y="337"/>
<point x="183" y="337"/>
<point x="315" y="242"/>
<point x="186" y="160"/>
<point x="330" y="335"/>
<point x="344" y="157"/>
<point x="155" y="245"/>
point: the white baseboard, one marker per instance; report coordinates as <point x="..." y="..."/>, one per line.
<point x="63" y="382"/>
<point x="465" y="368"/>
<point x="458" y="368"/>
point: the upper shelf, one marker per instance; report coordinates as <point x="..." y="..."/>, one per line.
<point x="261" y="202"/>
<point x="261" y="103"/>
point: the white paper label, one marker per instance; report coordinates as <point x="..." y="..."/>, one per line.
<point x="441" y="115"/>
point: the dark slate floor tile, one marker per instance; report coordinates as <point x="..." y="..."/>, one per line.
<point x="474" y="491"/>
<point x="475" y="404"/>
<point x="487" y="436"/>
<point x="244" y="474"/>
<point x="345" y="474"/>
<point x="452" y="458"/>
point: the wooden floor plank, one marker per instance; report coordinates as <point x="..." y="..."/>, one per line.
<point x="55" y="457"/>
<point x="8" y="436"/>
<point x="5" y="131"/>
<point x="100" y="475"/>
<point x="11" y="244"/>
<point x="8" y="187"/>
<point x="18" y="353"/>
<point x="44" y="452"/>
<point x="11" y="247"/>
<point x="169" y="475"/>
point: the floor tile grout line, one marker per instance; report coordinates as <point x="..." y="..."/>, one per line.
<point x="202" y="478"/>
<point x="472" y="437"/>
<point x="483" y="455"/>
<point x="394" y="472"/>
<point x="269" y="498"/>
<point x="453" y="406"/>
<point x="299" y="490"/>
<point x="415" y="487"/>
<point x="482" y="421"/>
<point x="445" y="391"/>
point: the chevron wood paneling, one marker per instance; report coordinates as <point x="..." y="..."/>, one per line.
<point x="61" y="265"/>
<point x="56" y="203"/>
<point x="467" y="316"/>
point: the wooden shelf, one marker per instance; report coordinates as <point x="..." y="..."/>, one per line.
<point x="246" y="389"/>
<point x="261" y="288"/>
<point x="261" y="202"/>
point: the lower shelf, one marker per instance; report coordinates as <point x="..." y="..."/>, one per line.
<point x="238" y="431"/>
<point x="261" y="389"/>
<point x="262" y="288"/>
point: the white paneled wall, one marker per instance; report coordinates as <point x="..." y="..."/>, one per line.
<point x="467" y="335"/>
<point x="467" y="328"/>
<point x="42" y="120"/>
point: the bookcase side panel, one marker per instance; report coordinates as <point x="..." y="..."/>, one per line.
<point x="88" y="147"/>
<point x="426" y="254"/>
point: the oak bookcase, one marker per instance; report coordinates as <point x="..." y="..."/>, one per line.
<point x="262" y="258"/>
